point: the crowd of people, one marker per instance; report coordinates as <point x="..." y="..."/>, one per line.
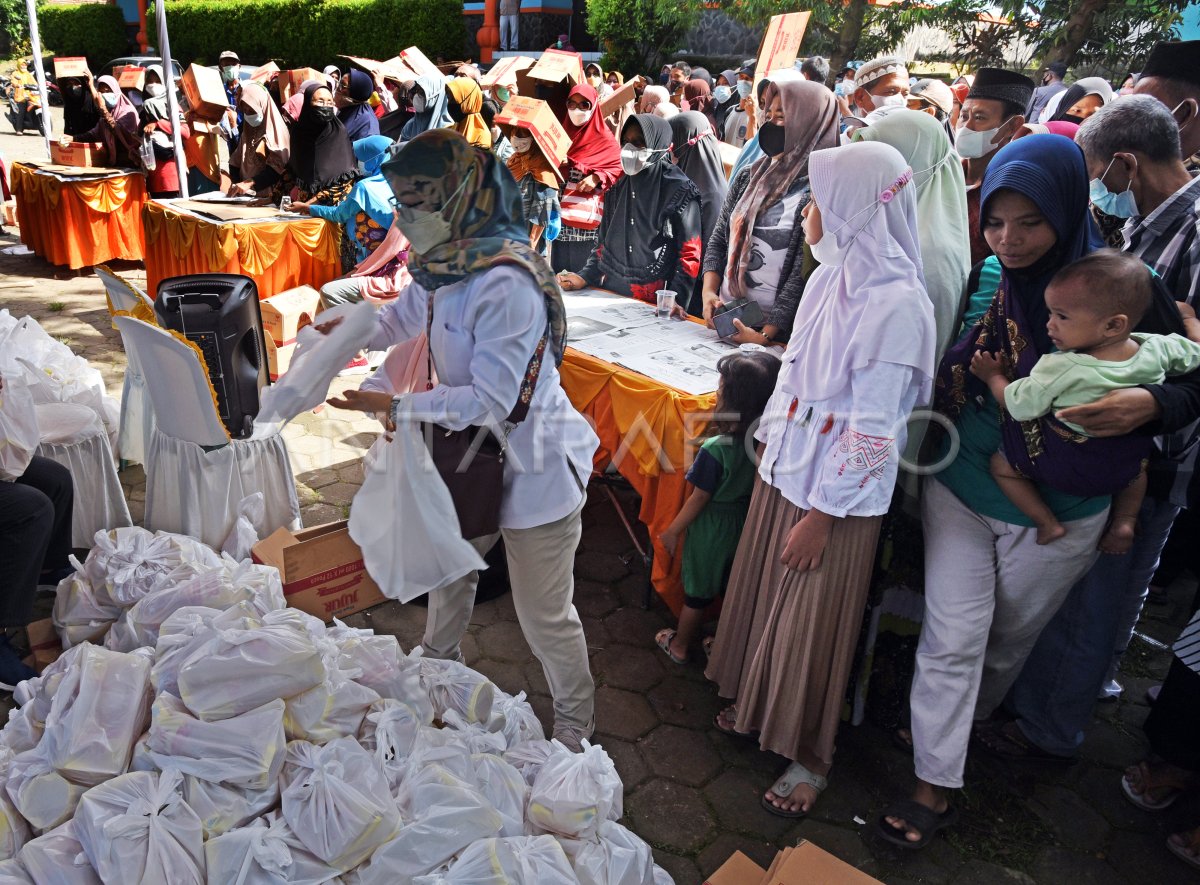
<point x="1021" y="261"/>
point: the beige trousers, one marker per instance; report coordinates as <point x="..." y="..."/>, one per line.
<point x="541" y="563"/>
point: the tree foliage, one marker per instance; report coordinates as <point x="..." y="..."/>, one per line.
<point x="638" y="35"/>
<point x="95" y="30"/>
<point x="14" y="28"/>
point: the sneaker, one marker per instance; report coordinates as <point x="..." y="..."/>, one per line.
<point x="12" y="668"/>
<point x="356" y="366"/>
<point x="572" y="736"/>
<point x="1110" y="691"/>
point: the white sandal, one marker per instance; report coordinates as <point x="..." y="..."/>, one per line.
<point x="793" y="776"/>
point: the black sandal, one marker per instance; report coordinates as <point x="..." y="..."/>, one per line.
<point x="918" y="818"/>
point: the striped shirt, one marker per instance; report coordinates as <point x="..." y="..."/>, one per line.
<point x="1168" y="240"/>
<point x="1187" y="646"/>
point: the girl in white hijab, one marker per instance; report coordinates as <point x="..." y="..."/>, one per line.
<point x="860" y="357"/>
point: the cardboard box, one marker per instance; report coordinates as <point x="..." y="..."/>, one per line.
<point x="419" y="63"/>
<point x="322" y="570"/>
<point x="738" y="870"/>
<point x="44" y="644"/>
<point x="204" y="90"/>
<point x="77" y="153"/>
<point x="536" y="116"/>
<point x="130" y="77"/>
<point x="556" y="66"/>
<point x="264" y="73"/>
<point x="286" y="313"/>
<point x="10" y="213"/>
<point x="729" y="156"/>
<point x="71" y="66"/>
<point x="781" y="43"/>
<point x="291" y="81"/>
<point x="279" y="357"/>
<point x="619" y="99"/>
<point x="504" y="72"/>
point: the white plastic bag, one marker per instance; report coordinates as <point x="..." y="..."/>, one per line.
<point x="251" y="514"/>
<point x="79" y="615"/>
<point x="336" y="801"/>
<point x="389" y="732"/>
<point x="404" y="520"/>
<point x="515" y="719"/>
<point x="529" y="757"/>
<point x="503" y="786"/>
<point x="615" y="857"/>
<point x="13" y="872"/>
<point x="23" y="731"/>
<point x="243" y="751"/>
<point x="222" y="808"/>
<point x="43" y="796"/>
<point x="239" y="670"/>
<point x="136" y="829"/>
<point x="264" y="853"/>
<point x="57" y="858"/>
<point x="316" y="362"/>
<point x="334" y="708"/>
<point x="19" y="435"/>
<point x="185" y="630"/>
<point x="130" y="562"/>
<point x="473" y="735"/>
<point x="455" y="686"/>
<point x="519" y="860"/>
<point x="383" y="666"/>
<point x="98" y="712"/>
<point x="14" y="830"/>
<point x="575" y="792"/>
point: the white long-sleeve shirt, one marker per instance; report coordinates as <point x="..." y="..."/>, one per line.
<point x="485" y="329"/>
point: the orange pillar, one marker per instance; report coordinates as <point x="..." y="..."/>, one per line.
<point x="489" y="34"/>
<point x="142" y="40"/>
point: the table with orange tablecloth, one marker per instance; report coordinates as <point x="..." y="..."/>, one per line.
<point x="80" y="221"/>
<point x="648" y="431"/>
<point x="278" y="253"/>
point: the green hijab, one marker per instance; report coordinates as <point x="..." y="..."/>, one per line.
<point x="941" y="211"/>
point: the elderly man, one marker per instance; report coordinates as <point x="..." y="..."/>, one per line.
<point x="992" y="112"/>
<point x="1172" y="75"/>
<point x="1132" y="152"/>
<point x="880" y="83"/>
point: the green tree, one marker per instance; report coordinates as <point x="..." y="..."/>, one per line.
<point x="637" y="35"/>
<point x="14" y="28"/>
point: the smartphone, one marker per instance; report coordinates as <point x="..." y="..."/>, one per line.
<point x="745" y="310"/>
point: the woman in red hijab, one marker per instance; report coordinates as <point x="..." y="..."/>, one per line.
<point x="593" y="165"/>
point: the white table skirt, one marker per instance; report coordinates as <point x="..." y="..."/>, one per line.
<point x="99" y="499"/>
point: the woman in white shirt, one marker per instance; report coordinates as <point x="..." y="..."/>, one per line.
<point x="496" y="334"/>
<point x="859" y="359"/>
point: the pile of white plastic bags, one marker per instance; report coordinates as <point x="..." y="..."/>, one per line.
<point x="196" y="730"/>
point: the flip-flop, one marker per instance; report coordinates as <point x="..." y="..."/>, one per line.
<point x="793" y="776"/>
<point x="707" y="645"/>
<point x="1145" y="803"/>
<point x="732" y="732"/>
<point x="663" y="639"/>
<point x="918" y="817"/>
<point x="1181" y="852"/>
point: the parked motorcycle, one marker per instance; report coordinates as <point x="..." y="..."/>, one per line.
<point x="24" y="112"/>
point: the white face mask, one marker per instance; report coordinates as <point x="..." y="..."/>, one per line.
<point x="972" y="145"/>
<point x="427" y="230"/>
<point x="744" y="87"/>
<point x="827" y="251"/>
<point x="254" y="119"/>
<point x="522" y="145"/>
<point x="110" y="100"/>
<point x="722" y="94"/>
<point x="634" y="159"/>
<point x="889" y="101"/>
<point x="418" y="103"/>
<point x="579" y="116"/>
<point x="156" y="90"/>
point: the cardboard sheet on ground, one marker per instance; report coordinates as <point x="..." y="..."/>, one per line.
<point x="781" y="43"/>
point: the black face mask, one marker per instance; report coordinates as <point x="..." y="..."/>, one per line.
<point x="325" y="115"/>
<point x="456" y="112"/>
<point x="771" y="139"/>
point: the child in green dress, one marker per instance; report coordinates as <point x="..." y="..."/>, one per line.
<point x="722" y="477"/>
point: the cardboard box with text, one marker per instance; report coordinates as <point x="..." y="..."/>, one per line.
<point x="77" y="153"/>
<point x="557" y="66"/>
<point x="504" y="72"/>
<point x="291" y="81"/>
<point x="286" y="313"/>
<point x="71" y="66"/>
<point x="536" y="116"/>
<point x="130" y="77"/>
<point x="781" y="43"/>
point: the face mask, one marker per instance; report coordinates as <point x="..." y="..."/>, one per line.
<point x="594" y="81"/>
<point x="522" y="145"/>
<point x="418" y="101"/>
<point x="427" y="230"/>
<point x="110" y="100"/>
<point x="744" y="88"/>
<point x="635" y="159"/>
<point x="325" y="115"/>
<point x="502" y="94"/>
<point x="771" y="139"/>
<point x="254" y="119"/>
<point x="580" y="116"/>
<point x="156" y="90"/>
<point x="827" y="251"/>
<point x="1122" y="205"/>
<point x="722" y="94"/>
<point x="457" y="114"/>
<point x="972" y="145"/>
<point x="889" y="101"/>
<point x="229" y="74"/>
<point x="1175" y="110"/>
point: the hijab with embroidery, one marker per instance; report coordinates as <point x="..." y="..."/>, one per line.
<point x="810" y="121"/>
<point x="464" y="103"/>
<point x="435" y="115"/>
<point x="872" y="306"/>
<point x="358" y="118"/>
<point x="269" y="144"/>
<point x="941" y="211"/>
<point x="695" y="146"/>
<point x="488" y="225"/>
<point x="594" y="148"/>
<point x="322" y="154"/>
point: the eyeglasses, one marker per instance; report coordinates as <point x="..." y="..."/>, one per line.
<point x="579" y="106"/>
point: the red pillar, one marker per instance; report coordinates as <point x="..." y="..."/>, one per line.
<point x="142" y="40"/>
<point x="489" y="34"/>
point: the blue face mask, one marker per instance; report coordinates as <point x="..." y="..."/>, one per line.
<point x="1122" y="205"/>
<point x="744" y="87"/>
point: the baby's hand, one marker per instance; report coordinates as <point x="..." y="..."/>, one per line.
<point x="987" y="365"/>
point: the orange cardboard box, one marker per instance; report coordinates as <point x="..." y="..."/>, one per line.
<point x="555" y="66"/>
<point x="264" y="73"/>
<point x="77" y="153"/>
<point x="71" y="66"/>
<point x="738" y="870"/>
<point x="618" y="99"/>
<point x="279" y="357"/>
<point x="204" y="90"/>
<point x="130" y="77"/>
<point x="781" y="43"/>
<point x="322" y="570"/>
<point x="291" y="81"/>
<point x="504" y="72"/>
<point x="286" y="313"/>
<point x="809" y="865"/>
<point x="535" y="115"/>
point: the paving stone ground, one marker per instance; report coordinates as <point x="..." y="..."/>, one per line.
<point x="691" y="791"/>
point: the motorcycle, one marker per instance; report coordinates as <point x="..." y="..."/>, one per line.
<point x="23" y="113"/>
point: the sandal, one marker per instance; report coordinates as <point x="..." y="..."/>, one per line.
<point x="793" y="776"/>
<point x="1188" y="848"/>
<point x="1008" y="742"/>
<point x="729" y="714"/>
<point x="918" y="818"/>
<point x="707" y="645"/>
<point x="1167" y="797"/>
<point x="663" y="639"/>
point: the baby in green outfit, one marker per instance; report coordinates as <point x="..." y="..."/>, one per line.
<point x="1094" y="305"/>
